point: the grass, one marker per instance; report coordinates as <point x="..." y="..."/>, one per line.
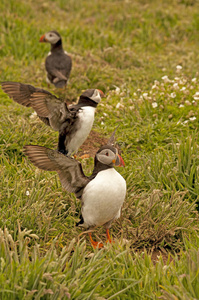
<point x="113" y="273"/>
<point x="132" y="51"/>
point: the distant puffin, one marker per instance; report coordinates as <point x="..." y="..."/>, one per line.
<point x="58" y="63"/>
<point x="102" y="194"/>
<point x="74" y="123"/>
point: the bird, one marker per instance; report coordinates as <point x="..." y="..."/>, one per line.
<point x="102" y="194"/>
<point x="73" y="122"/>
<point x="58" y="63"/>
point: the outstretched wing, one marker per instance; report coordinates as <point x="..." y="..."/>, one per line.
<point x="20" y="92"/>
<point x="49" y="106"/>
<point x="51" y="110"/>
<point x="69" y="169"/>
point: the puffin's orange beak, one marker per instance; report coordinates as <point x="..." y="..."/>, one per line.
<point x="119" y="161"/>
<point x="101" y="93"/>
<point x="42" y="39"/>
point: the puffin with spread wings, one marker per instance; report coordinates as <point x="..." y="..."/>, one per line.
<point x="102" y="194"/>
<point x="73" y="122"/>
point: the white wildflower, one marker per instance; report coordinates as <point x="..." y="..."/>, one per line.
<point x="192" y="118"/>
<point x="33" y="115"/>
<point x="27" y="193"/>
<point x="145" y="95"/>
<point x="196" y="98"/>
<point x="119" y="105"/>
<point x="178" y="68"/>
<point x="187" y="102"/>
<point x="154" y="104"/>
<point x="102" y="123"/>
<point x="105" y="114"/>
<point x="175" y="85"/>
<point x="196" y="94"/>
<point x="183" y="123"/>
<point x="183" y="88"/>
<point x="165" y="78"/>
<point x="182" y="81"/>
<point x="173" y="95"/>
<point x="117" y="90"/>
<point x="193" y="79"/>
<point x="181" y="105"/>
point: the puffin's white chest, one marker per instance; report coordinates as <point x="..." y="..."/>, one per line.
<point x="84" y="126"/>
<point x="103" y="197"/>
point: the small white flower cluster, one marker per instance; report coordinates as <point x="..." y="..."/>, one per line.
<point x="177" y="92"/>
<point x="33" y="115"/>
<point x="178" y="68"/>
<point x="119" y="105"/>
<point x="154" y="104"/>
<point x="196" y="96"/>
<point x="166" y="79"/>
<point x="186" y="121"/>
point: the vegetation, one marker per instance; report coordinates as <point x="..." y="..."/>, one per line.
<point x="144" y="56"/>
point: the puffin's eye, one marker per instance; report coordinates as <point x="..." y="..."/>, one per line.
<point x="107" y="154"/>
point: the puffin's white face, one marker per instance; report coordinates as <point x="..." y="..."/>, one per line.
<point x="96" y="97"/>
<point x="109" y="157"/>
<point x="106" y="157"/>
<point x="51" y="37"/>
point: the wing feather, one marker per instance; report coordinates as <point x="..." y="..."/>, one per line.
<point x="51" y="110"/>
<point x="19" y="92"/>
<point x="69" y="170"/>
<point x="58" y="75"/>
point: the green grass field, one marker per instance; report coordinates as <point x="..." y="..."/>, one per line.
<point x="145" y="56"/>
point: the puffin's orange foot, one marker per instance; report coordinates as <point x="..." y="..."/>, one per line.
<point x="84" y="156"/>
<point x="109" y="237"/>
<point x="110" y="241"/>
<point x="95" y="244"/>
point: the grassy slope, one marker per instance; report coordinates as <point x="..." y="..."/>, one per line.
<point x="131" y="45"/>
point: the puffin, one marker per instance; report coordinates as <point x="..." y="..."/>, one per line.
<point x="102" y="194"/>
<point x="73" y="122"/>
<point x="58" y="63"/>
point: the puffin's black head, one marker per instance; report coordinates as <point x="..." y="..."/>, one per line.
<point x="108" y="155"/>
<point x="51" y="37"/>
<point x="92" y="94"/>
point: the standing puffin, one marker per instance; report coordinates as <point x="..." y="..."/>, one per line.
<point x="74" y="123"/>
<point x="102" y="194"/>
<point x="58" y="63"/>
